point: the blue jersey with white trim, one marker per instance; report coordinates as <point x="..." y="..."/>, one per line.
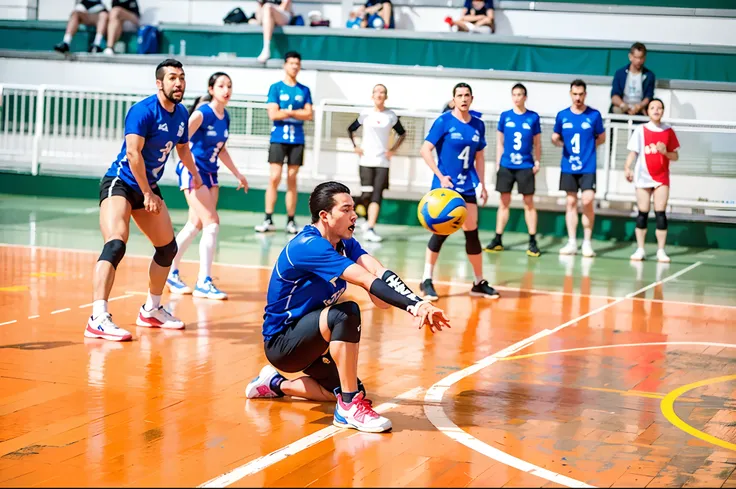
<point x="518" y="138"/>
<point x="162" y="130"/>
<point x="456" y="143"/>
<point x="291" y="130"/>
<point x="209" y="139"/>
<point x="306" y="277"/>
<point x="579" y="132"/>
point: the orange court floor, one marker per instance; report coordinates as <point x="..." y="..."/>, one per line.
<point x="586" y="372"/>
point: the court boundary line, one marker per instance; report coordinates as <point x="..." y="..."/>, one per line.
<point x="436" y="414"/>
<point x="451" y="283"/>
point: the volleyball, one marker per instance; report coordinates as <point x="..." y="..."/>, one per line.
<point x="442" y="211"/>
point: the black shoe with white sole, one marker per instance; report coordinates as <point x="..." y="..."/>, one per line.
<point x="483" y="289"/>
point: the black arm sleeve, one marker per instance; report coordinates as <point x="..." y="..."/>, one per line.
<point x="354" y="126"/>
<point x="399" y="128"/>
<point x="392" y="290"/>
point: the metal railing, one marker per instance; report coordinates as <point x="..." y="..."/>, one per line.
<point x="78" y="131"/>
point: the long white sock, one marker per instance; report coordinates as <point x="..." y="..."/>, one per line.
<point x="183" y="240"/>
<point x="207" y="247"/>
<point x="99" y="307"/>
<point x="152" y="301"/>
<point x="428" y="271"/>
<point x="68" y="38"/>
<point x="98" y="39"/>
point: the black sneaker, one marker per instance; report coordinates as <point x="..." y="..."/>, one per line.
<point x="533" y="250"/>
<point x="95" y="49"/>
<point x="494" y="245"/>
<point x="482" y="289"/>
<point x="62" y="48"/>
<point x="427" y="290"/>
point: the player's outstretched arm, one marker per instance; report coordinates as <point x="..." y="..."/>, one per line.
<point x="392" y="290"/>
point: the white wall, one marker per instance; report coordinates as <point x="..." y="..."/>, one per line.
<point x="535" y="24"/>
<point x="18" y="9"/>
<point x="413" y="92"/>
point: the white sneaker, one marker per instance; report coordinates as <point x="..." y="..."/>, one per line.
<point x="158" y="318"/>
<point x="261" y="385"/>
<point x="103" y="327"/>
<point x="207" y="290"/>
<point x="571" y="248"/>
<point x="176" y="285"/>
<point x="108" y="52"/>
<point x="264" y="56"/>
<point x="363" y="226"/>
<point x="662" y="256"/>
<point x="587" y="249"/>
<point x="266" y="226"/>
<point x="359" y="415"/>
<point x="371" y="236"/>
<point x="291" y="228"/>
<point x="638" y="255"/>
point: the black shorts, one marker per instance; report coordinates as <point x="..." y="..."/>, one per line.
<point x="373" y="180"/>
<point x="301" y="348"/>
<point x="572" y="182"/>
<point x="291" y="154"/>
<point x="129" y="5"/>
<point x="110" y="186"/>
<point x="90" y="7"/>
<point x="524" y="178"/>
<point x="470" y="198"/>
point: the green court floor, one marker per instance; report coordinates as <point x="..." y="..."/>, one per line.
<point x="73" y="224"/>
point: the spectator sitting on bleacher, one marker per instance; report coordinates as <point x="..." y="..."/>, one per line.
<point x="477" y="17"/>
<point x="378" y="14"/>
<point x="90" y="13"/>
<point x="633" y="85"/>
<point x="122" y="11"/>
<point x="271" y="13"/>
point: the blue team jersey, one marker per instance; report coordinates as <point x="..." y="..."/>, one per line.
<point x="162" y="130"/>
<point x="288" y="131"/>
<point x="208" y="140"/>
<point x="578" y="133"/>
<point x="306" y="277"/>
<point x="518" y="138"/>
<point x="456" y="143"/>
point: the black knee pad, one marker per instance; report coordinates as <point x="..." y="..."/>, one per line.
<point x="435" y="242"/>
<point x="472" y="243"/>
<point x="113" y="251"/>
<point x="641" y="220"/>
<point x="343" y="319"/>
<point x="661" y="217"/>
<point x="165" y="254"/>
<point x="324" y="371"/>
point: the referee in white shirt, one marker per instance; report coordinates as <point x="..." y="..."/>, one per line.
<point x="375" y="155"/>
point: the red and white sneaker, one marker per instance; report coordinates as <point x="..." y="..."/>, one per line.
<point x="158" y="318"/>
<point x="359" y="415"/>
<point x="103" y="327"/>
<point x="261" y="385"/>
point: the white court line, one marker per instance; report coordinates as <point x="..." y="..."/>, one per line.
<point x="624" y="345"/>
<point x="127" y="294"/>
<point x="9" y="322"/>
<point x="255" y="466"/>
<point x="61" y="310"/>
<point x="34" y="317"/>
<point x="436" y="414"/>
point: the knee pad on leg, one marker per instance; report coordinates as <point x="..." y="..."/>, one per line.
<point x="113" y="251"/>
<point x="641" y="220"/>
<point x="344" y="322"/>
<point x="165" y="254"/>
<point x="472" y="242"/>
<point x="435" y="242"/>
<point x="661" y="217"/>
<point x="324" y="371"/>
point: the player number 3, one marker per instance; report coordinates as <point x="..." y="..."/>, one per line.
<point x="165" y="151"/>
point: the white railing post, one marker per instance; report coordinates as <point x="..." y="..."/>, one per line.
<point x="319" y="115"/>
<point x="38" y="130"/>
<point x="607" y="160"/>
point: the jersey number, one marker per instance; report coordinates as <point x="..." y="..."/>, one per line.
<point x="517" y="141"/>
<point x="575" y="141"/>
<point x="165" y="151"/>
<point x="217" y="150"/>
<point x="465" y="156"/>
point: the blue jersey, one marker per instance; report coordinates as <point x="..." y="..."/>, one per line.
<point x="306" y="277"/>
<point x="579" y="132"/>
<point x="162" y="130"/>
<point x="208" y="140"/>
<point x="456" y="143"/>
<point x="289" y="131"/>
<point x="518" y="138"/>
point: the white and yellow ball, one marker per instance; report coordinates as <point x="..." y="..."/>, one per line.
<point x="442" y="211"/>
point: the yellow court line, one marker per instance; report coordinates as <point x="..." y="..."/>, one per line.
<point x="668" y="410"/>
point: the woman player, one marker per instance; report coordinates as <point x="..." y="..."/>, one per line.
<point x="653" y="145"/>
<point x="459" y="139"/>
<point x="209" y="126"/>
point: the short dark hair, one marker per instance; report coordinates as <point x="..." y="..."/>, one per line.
<point x="519" y="86"/>
<point x="655" y="100"/>
<point x="322" y="198"/>
<point x="461" y="85"/>
<point x="160" y="71"/>
<point x="637" y="46"/>
<point x="579" y="83"/>
<point x="292" y="54"/>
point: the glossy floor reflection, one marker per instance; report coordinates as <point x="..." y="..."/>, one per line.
<point x="584" y="402"/>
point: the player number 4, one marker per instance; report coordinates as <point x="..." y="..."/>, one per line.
<point x="465" y="156"/>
